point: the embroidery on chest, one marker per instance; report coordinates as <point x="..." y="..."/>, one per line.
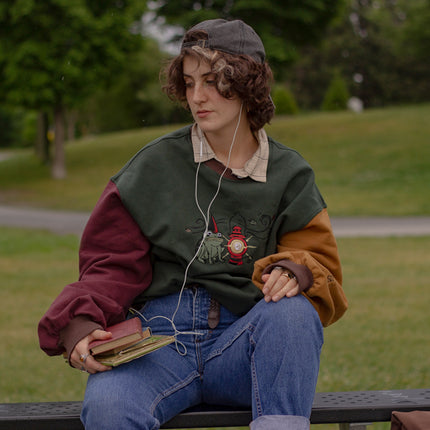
<point x="233" y="245"/>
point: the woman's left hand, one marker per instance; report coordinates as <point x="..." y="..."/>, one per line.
<point x="279" y="283"/>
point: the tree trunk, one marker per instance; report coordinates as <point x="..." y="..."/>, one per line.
<point x="59" y="164"/>
<point x="42" y="143"/>
<point x="71" y="124"/>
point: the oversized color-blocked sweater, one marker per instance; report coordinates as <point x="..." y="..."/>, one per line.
<point x="147" y="227"/>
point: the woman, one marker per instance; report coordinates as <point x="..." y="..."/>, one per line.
<point x="219" y="236"/>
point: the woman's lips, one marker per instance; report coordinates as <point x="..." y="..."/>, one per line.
<point x="203" y="113"/>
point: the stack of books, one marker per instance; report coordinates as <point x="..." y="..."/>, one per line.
<point x="128" y="342"/>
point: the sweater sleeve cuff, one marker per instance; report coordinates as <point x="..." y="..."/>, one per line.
<point x="302" y="273"/>
<point x="77" y="329"/>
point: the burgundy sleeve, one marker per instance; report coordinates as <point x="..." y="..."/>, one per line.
<point x="114" y="266"/>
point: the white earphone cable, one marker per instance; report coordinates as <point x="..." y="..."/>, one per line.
<point x="206" y="218"/>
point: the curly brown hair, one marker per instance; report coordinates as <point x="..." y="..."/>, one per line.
<point x="236" y="75"/>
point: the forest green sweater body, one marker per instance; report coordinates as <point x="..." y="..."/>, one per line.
<point x="246" y="220"/>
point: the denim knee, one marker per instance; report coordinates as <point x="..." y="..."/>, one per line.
<point x="295" y="313"/>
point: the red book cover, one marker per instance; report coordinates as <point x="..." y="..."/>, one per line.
<point x="124" y="334"/>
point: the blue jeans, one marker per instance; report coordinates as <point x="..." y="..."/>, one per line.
<point x="267" y="359"/>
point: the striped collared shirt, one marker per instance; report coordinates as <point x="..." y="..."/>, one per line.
<point x="255" y="167"/>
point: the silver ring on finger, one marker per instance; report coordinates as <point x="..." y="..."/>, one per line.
<point x="83" y="358"/>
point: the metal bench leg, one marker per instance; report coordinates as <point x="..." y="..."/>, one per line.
<point x="354" y="426"/>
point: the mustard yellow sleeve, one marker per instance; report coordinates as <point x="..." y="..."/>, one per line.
<point x="315" y="247"/>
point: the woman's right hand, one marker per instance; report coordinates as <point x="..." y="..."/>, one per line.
<point x="81" y="357"/>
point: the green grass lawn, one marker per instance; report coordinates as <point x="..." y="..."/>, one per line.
<point x="374" y="163"/>
<point x="381" y="343"/>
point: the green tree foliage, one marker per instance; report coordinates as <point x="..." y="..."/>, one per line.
<point x="18" y="127"/>
<point x="379" y="46"/>
<point x="282" y="24"/>
<point x="284" y="101"/>
<point x="337" y="95"/>
<point x="417" y="29"/>
<point x="55" y="53"/>
<point x="9" y="124"/>
<point x="135" y="98"/>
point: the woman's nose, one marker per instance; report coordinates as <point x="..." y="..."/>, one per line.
<point x="199" y="93"/>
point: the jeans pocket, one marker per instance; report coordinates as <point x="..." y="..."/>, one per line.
<point x="158" y="313"/>
<point x="229" y="337"/>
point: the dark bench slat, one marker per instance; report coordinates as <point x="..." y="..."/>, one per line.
<point x="210" y="416"/>
<point x="41" y="416"/>
<point x="332" y="407"/>
<point x="366" y="406"/>
<point x="335" y="407"/>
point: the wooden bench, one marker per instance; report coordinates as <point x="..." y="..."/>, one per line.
<point x="351" y="410"/>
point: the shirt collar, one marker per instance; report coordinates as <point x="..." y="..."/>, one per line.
<point x="255" y="168"/>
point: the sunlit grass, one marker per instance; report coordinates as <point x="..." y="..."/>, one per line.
<point x="34" y="267"/>
<point x="375" y="163"/>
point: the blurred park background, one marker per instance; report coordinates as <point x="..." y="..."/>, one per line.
<point x="80" y="93"/>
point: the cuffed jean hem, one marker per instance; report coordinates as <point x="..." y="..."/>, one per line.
<point x="280" y="422"/>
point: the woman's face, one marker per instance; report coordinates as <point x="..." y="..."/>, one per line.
<point x="215" y="114"/>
